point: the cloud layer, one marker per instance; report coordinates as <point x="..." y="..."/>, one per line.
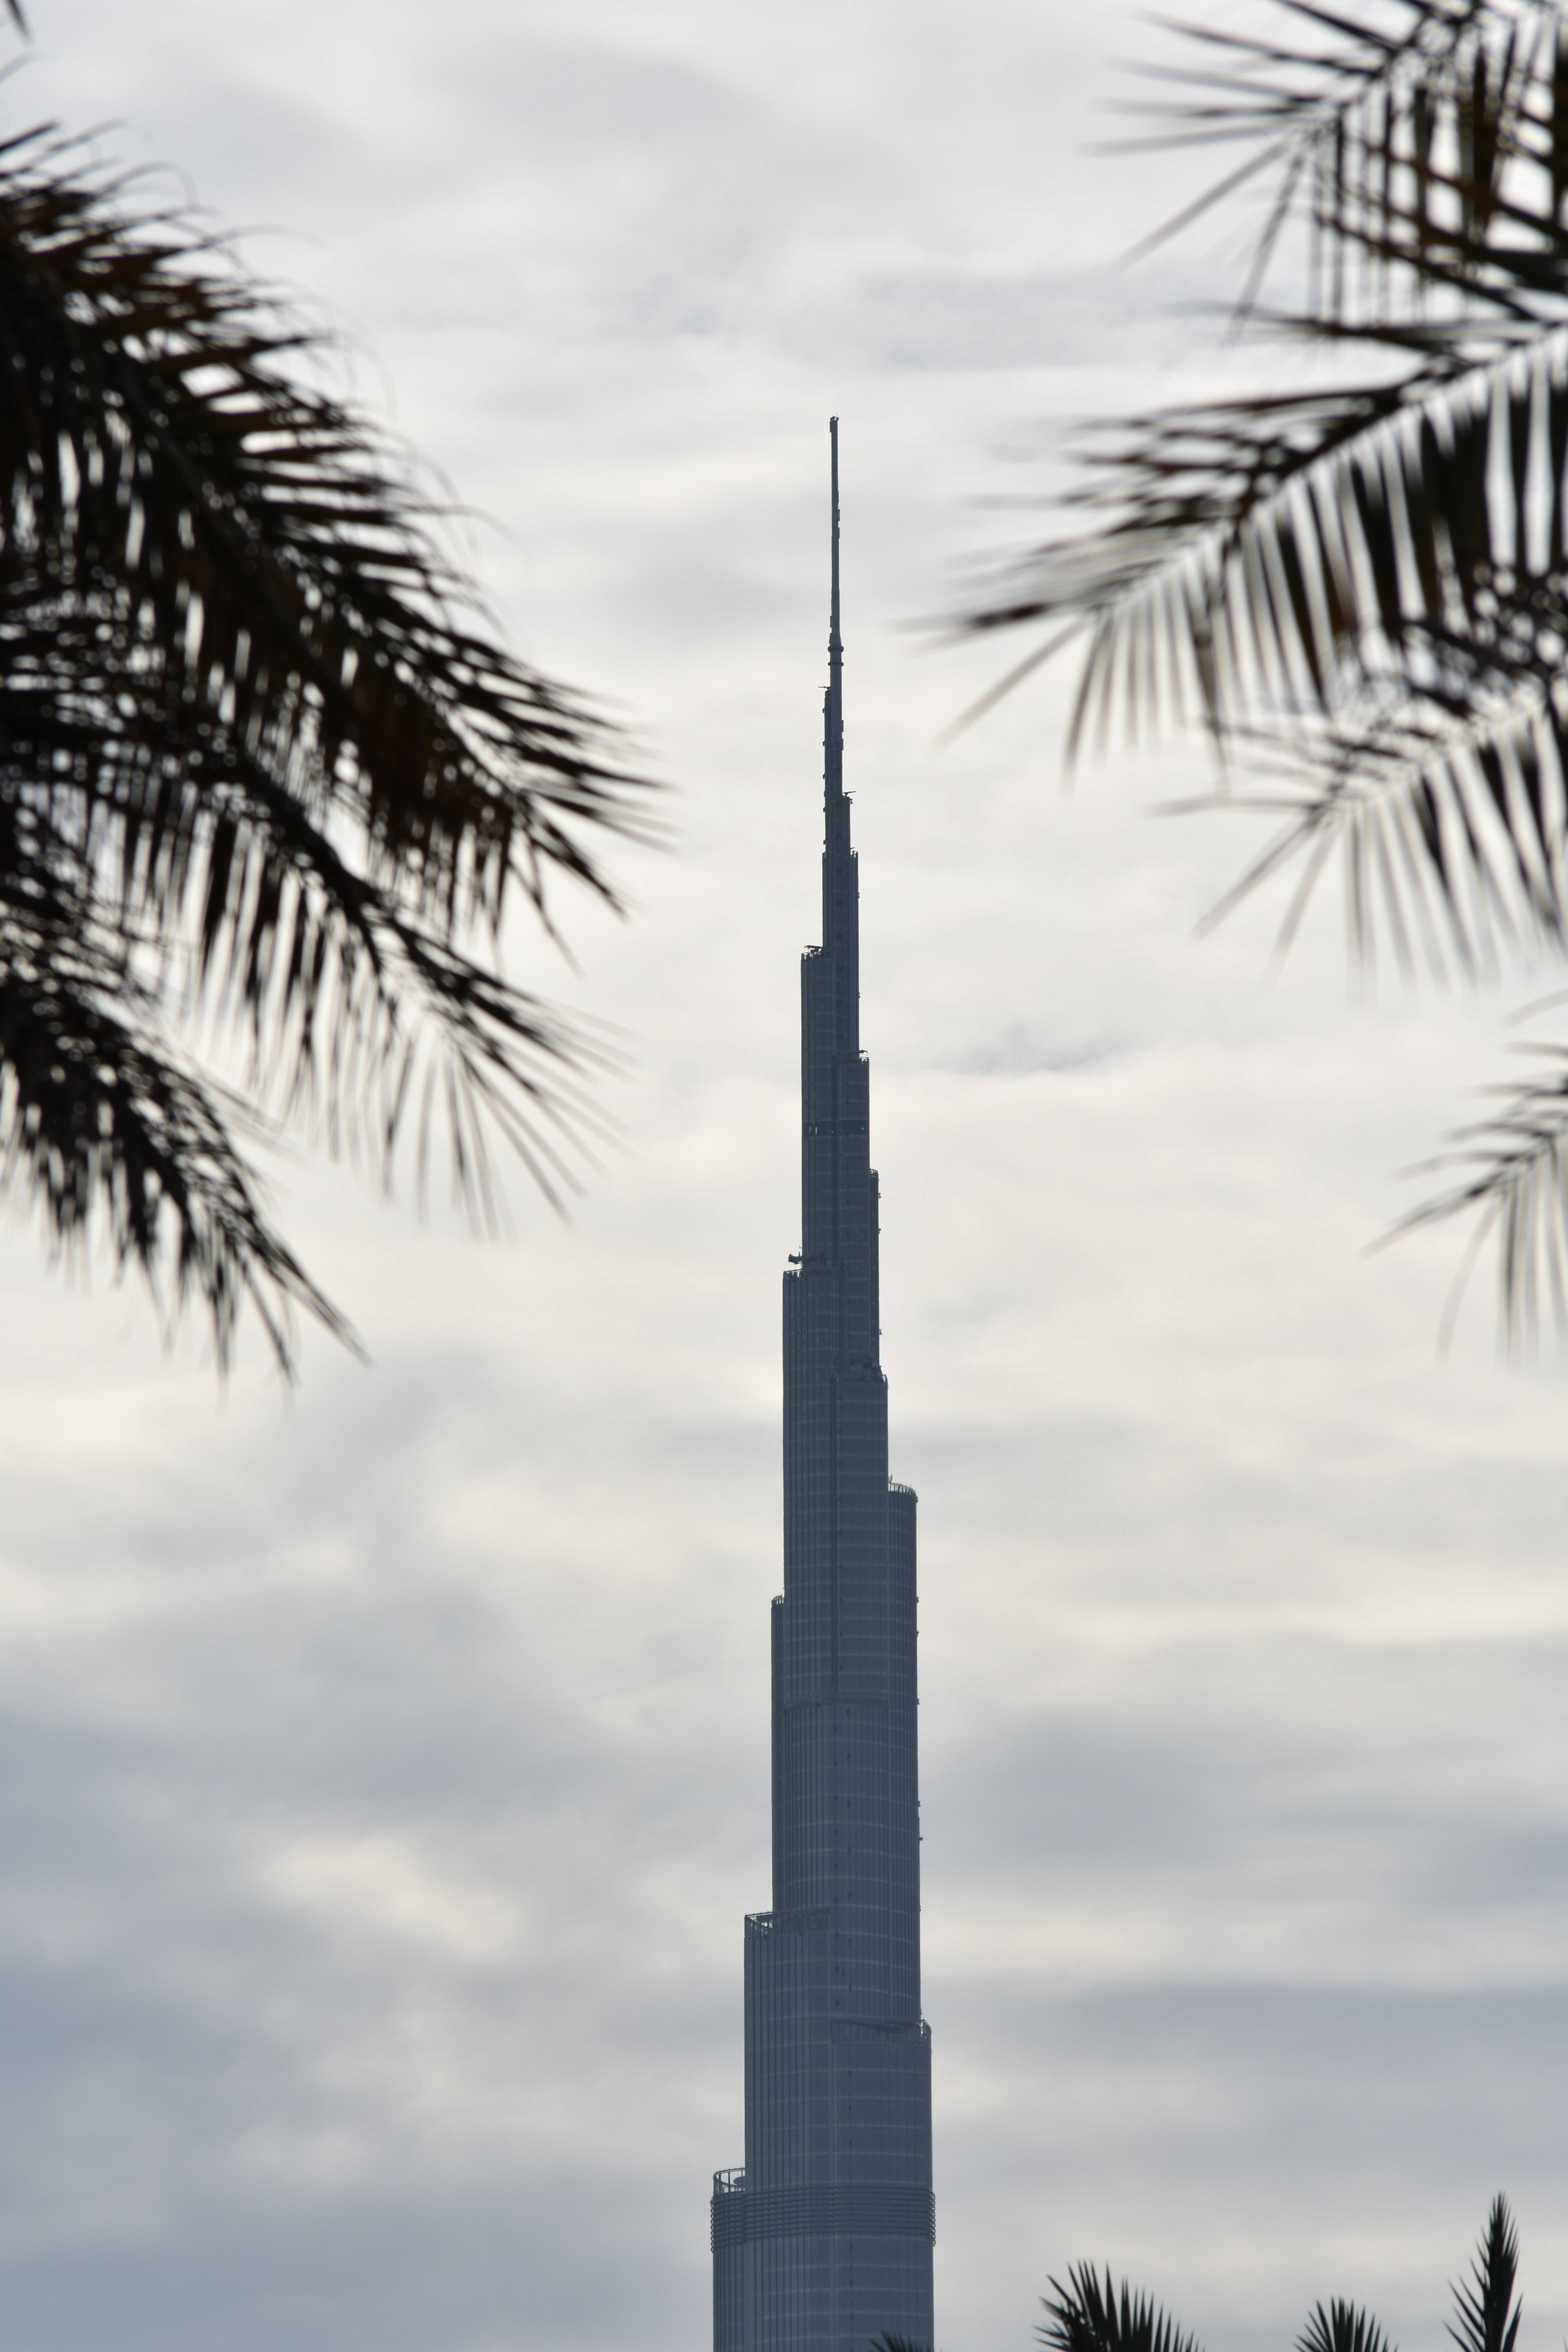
<point x="383" y="1775"/>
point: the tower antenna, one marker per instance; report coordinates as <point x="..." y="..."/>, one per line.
<point x="835" y="643"/>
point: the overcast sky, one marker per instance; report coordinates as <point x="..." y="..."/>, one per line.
<point x="383" y="1775"/>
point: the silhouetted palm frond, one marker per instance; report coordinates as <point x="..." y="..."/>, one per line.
<point x="1488" y="2317"/>
<point x="897" y="2344"/>
<point x="1511" y="1172"/>
<point x="1084" y="2316"/>
<point x="1341" y="2327"/>
<point x="265" y="767"/>
<point x="1361" y="587"/>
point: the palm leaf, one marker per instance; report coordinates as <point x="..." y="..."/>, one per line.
<point x="255" y="726"/>
<point x="1487" y="2316"/>
<point x="1360" y="588"/>
<point x="1340" y="2326"/>
<point x="101" y="1122"/>
<point x="1084" y="2316"/>
<point x="1284" y="519"/>
<point x="1403" y="137"/>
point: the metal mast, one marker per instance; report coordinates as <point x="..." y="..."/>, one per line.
<point x="824" y="2241"/>
<point x="835" y="642"/>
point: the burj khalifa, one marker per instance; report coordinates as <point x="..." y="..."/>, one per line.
<point x="823" y="2242"/>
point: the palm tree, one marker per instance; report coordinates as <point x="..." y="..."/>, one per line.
<point x="1359" y="586"/>
<point x="1084" y="2316"/>
<point x="270" y="783"/>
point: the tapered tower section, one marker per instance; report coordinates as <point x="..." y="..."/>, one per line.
<point x="824" y="2241"/>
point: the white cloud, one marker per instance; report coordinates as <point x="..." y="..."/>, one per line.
<point x="384" y="1777"/>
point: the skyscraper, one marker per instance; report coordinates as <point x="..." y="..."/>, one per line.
<point x="825" y="2240"/>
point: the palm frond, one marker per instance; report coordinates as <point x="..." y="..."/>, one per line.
<point x="1509" y="1173"/>
<point x="1487" y="2316"/>
<point x="1448" y="828"/>
<point x="253" y="717"/>
<point x="1341" y="2327"/>
<point x="1393" y="609"/>
<point x="102" y="1122"/>
<point x="1243" y="553"/>
<point x="1084" y="2316"/>
<point x="1360" y="588"/>
<point x="1269" y="554"/>
<point x="1418" y="145"/>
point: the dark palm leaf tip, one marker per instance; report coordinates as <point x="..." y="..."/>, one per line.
<point x="1511" y="1172"/>
<point x="1084" y="2316"/>
<point x="258" y="738"/>
<point x="97" y="1125"/>
<point x="1341" y="2327"/>
<point x="1486" y="2314"/>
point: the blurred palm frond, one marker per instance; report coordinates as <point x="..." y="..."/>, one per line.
<point x="1359" y="587"/>
<point x="266" y="769"/>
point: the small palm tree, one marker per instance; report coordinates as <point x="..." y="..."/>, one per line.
<point x="1085" y="2316"/>
<point x="1358" y="584"/>
<point x="268" y="781"/>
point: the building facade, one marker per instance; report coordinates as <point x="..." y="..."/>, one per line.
<point x="824" y="2241"/>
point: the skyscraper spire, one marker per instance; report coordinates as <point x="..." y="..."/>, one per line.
<point x="835" y="644"/>
<point x="824" y="2241"/>
<point x="840" y="890"/>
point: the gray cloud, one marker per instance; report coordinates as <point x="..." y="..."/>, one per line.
<point x="383" y="1779"/>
